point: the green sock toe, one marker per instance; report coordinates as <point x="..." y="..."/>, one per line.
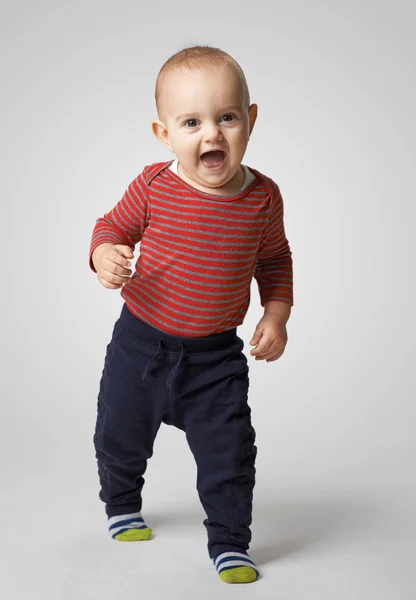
<point x="238" y="575"/>
<point x="134" y="535"/>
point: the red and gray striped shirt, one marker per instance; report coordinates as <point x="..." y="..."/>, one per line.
<point x="198" y="252"/>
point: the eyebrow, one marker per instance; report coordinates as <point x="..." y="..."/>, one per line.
<point x="188" y="116"/>
<point x="193" y="115"/>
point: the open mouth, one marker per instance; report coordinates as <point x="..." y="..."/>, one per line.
<point x="213" y="159"/>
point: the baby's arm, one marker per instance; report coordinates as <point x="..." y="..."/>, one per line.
<point x="274" y="271"/>
<point x="116" y="233"/>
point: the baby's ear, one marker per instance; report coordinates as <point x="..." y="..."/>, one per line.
<point x="252" y="115"/>
<point x="161" y="133"/>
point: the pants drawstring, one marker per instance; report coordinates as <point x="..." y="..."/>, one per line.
<point x="172" y="373"/>
<point x="153" y="357"/>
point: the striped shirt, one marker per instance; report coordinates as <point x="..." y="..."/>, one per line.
<point x="198" y="252"/>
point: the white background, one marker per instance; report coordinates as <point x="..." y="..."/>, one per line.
<point x="335" y="416"/>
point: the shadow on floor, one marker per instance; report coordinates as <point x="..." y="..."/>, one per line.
<point x="285" y="527"/>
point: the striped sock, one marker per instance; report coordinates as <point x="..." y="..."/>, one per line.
<point x="235" y="567"/>
<point x="129" y="528"/>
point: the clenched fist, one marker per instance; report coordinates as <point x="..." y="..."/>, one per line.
<point x="111" y="263"/>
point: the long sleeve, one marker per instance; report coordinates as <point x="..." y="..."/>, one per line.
<point x="125" y="223"/>
<point x="274" y="268"/>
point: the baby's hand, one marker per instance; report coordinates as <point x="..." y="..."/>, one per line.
<point x="270" y="338"/>
<point x="111" y="262"/>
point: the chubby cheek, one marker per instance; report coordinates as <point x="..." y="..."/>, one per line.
<point x="241" y="145"/>
<point x="188" y="151"/>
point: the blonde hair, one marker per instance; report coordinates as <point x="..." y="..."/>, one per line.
<point x="197" y="58"/>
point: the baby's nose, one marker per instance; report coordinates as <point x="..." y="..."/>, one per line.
<point x="212" y="133"/>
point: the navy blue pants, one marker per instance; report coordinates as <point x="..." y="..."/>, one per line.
<point x="199" y="385"/>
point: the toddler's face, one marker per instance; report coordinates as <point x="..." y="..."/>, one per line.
<point x="207" y="125"/>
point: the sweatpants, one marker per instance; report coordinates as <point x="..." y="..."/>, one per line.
<point x="199" y="385"/>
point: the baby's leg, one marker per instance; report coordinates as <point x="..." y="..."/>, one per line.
<point x="129" y="415"/>
<point x="221" y="437"/>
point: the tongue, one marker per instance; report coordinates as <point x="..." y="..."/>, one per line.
<point x="213" y="159"/>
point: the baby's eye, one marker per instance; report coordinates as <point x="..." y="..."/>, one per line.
<point x="228" y="118"/>
<point x="191" y="123"/>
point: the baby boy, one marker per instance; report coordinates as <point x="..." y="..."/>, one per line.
<point x="207" y="224"/>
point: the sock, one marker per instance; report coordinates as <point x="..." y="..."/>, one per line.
<point x="235" y="567"/>
<point x="129" y="528"/>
